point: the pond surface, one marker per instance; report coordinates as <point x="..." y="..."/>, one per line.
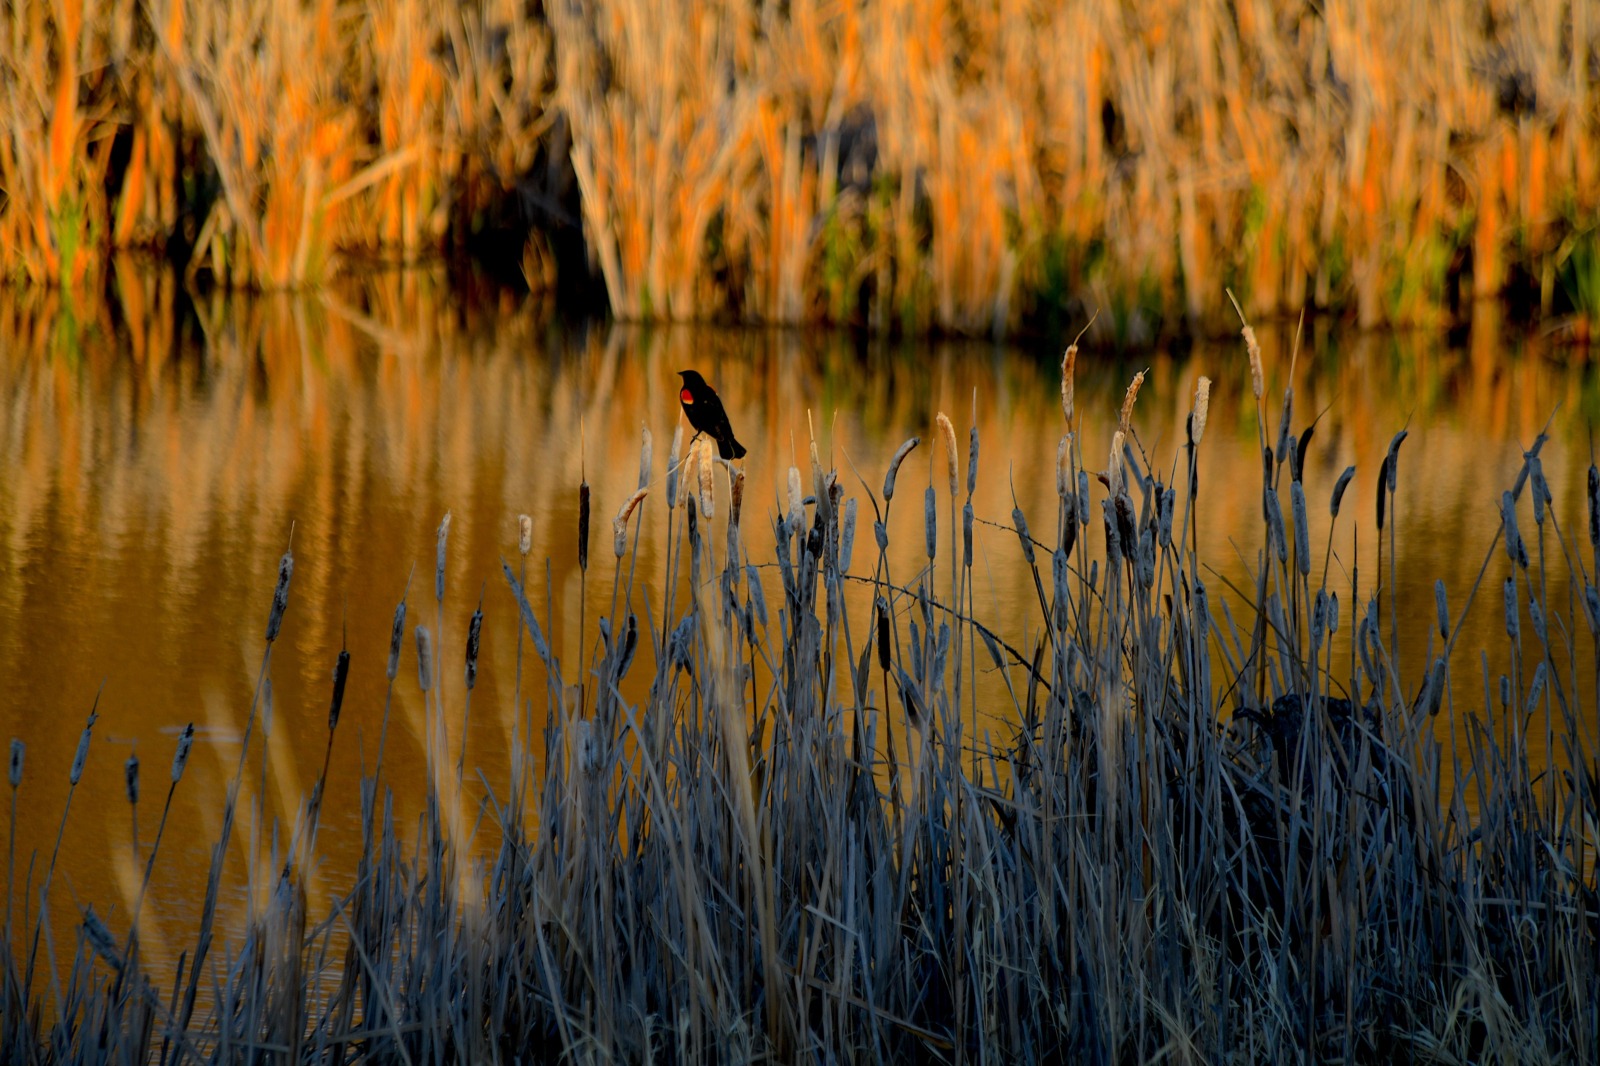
<point x="157" y="458"/>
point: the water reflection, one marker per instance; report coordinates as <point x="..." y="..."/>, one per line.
<point x="158" y="457"/>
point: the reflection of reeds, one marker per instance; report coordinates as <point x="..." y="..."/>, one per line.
<point x="964" y="166"/>
<point x="1176" y="813"/>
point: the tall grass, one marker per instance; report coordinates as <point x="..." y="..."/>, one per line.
<point x="968" y="166"/>
<point x="763" y="826"/>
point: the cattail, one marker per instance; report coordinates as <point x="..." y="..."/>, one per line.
<point x="18" y="751"/>
<point x="645" y="456"/>
<point x="83" y="749"/>
<point x="1020" y="521"/>
<point x="1338" y="490"/>
<point x="395" y="636"/>
<point x="585" y="750"/>
<point x="1083" y="497"/>
<point x="1302" y="531"/>
<point x="1168" y="506"/>
<point x="1202" y="408"/>
<point x="1435" y="691"/>
<point x="474" y="633"/>
<point x="619" y="524"/>
<point x="1275" y="531"/>
<point x="703" y="467"/>
<point x="972" y="461"/>
<point x="1069" y="367"/>
<point x="630" y="643"/>
<point x="1512" y="613"/>
<point x="1202" y="612"/>
<point x="524" y="535"/>
<point x="583" y="526"/>
<point x="735" y="497"/>
<point x="880" y="535"/>
<point x="1383" y="495"/>
<point x="672" y="467"/>
<point x="100" y="938"/>
<point x="1536" y="619"/>
<point x="947" y="433"/>
<point x="894" y="466"/>
<point x="280" y="596"/>
<point x="1516" y="551"/>
<point x="1064" y="472"/>
<point x="797" y="505"/>
<point x="1392" y="460"/>
<point x="1285" y="449"/>
<point x="1535" y="689"/>
<point x="1505" y="691"/>
<point x="180" y="758"/>
<point x="439" y="555"/>
<point x="758" y="599"/>
<point x="1125" y="417"/>
<point x="1254" y="351"/>
<point x="1443" y="608"/>
<point x="130" y="774"/>
<point x="1363" y="640"/>
<point x="1114" y="475"/>
<point x="966" y="534"/>
<point x="847" y="536"/>
<point x="993" y="646"/>
<point x="1146" y="558"/>
<point x="1594" y="506"/>
<point x="424" y="659"/>
<point x="1319" y="618"/>
<point x="883" y="633"/>
<point x="930" y="521"/>
<point x="1333" y="612"/>
<point x="1541" y="491"/>
<point x="341" y="673"/>
<point x="1591" y="600"/>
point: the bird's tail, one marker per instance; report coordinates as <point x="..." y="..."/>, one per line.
<point x="729" y="448"/>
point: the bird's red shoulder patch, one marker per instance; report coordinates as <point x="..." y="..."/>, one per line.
<point x="686" y="396"/>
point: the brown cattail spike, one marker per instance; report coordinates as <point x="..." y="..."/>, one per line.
<point x="1125" y="418"/>
<point x="947" y="433"/>
<point x="1202" y="406"/>
<point x="524" y="535"/>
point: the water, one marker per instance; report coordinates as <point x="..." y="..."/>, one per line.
<point x="158" y="460"/>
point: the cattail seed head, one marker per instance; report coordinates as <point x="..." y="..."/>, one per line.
<point x="100" y="939"/>
<point x="1505" y="691"/>
<point x="1125" y="417"/>
<point x="1512" y="613"/>
<point x="797" y="506"/>
<point x="1535" y="689"/>
<point x="947" y="433"/>
<point x="424" y="658"/>
<point x="1202" y="407"/>
<point x="758" y="599"/>
<point x="1435" y="691"/>
<point x="930" y="521"/>
<point x="474" y="634"/>
<point x="703" y="468"/>
<point x="1083" y="497"/>
<point x="1020" y="521"/>
<point x="83" y="750"/>
<point x="1338" y="490"/>
<point x="341" y="673"/>
<point x="1333" y="612"/>
<point x="972" y="461"/>
<point x="1591" y="603"/>
<point x="1168" y="508"/>
<point x="735" y="497"/>
<point x="672" y="466"/>
<point x="1114" y="475"/>
<point x="619" y="524"/>
<point x="1392" y="459"/>
<point x="880" y="536"/>
<point x="1285" y="440"/>
<point x="524" y="535"/>
<point x="1064" y="470"/>
<point x="966" y="535"/>
<point x="1202" y="613"/>
<point x="1541" y="491"/>
<point x="1254" y="350"/>
<point x="645" y="457"/>
<point x="847" y="536"/>
<point x="130" y="774"/>
<point x="439" y="553"/>
<point x="395" y="636"/>
<point x="180" y="757"/>
<point x="894" y="465"/>
<point x="1516" y="551"/>
<point x="1383" y="493"/>
<point x="1069" y="367"/>
<point x="583" y="526"/>
<point x="18" y="751"/>
<point x="1302" y="531"/>
<point x="280" y="596"/>
<point x="1442" y="606"/>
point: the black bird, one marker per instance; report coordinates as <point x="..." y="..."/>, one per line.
<point x="701" y="404"/>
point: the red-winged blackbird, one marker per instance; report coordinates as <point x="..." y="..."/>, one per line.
<point x="706" y="415"/>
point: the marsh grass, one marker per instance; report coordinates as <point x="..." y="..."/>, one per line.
<point x="781" y="834"/>
<point x="969" y="166"/>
